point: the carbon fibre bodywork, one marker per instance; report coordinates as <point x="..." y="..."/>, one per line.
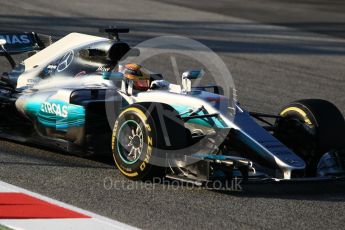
<point x="68" y="95"/>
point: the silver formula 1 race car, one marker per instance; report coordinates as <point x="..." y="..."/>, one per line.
<point x="75" y="95"/>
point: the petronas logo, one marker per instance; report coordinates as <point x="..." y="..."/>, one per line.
<point x="55" y="109"/>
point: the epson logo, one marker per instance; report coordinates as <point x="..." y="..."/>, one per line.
<point x="16" y="39"/>
<point x="56" y="109"/>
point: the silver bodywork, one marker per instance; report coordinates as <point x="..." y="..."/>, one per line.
<point x="61" y="88"/>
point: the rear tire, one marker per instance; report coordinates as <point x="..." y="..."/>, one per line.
<point x="311" y="128"/>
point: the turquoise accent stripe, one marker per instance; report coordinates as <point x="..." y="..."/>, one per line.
<point x="56" y="114"/>
<point x="207" y="121"/>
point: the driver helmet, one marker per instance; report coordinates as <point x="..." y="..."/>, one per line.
<point x="138" y="74"/>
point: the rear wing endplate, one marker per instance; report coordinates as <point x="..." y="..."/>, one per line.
<point x="24" y="42"/>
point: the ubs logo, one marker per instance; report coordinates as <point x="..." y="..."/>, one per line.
<point x="16" y="39"/>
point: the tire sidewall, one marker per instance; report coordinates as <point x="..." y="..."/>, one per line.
<point x="142" y="166"/>
<point x="324" y="118"/>
<point x="324" y="124"/>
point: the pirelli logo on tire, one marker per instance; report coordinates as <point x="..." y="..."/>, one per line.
<point x="148" y="154"/>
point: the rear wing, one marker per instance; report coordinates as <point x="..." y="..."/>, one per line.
<point x="24" y="42"/>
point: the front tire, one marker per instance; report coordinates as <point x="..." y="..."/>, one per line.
<point x="311" y="128"/>
<point x="138" y="139"/>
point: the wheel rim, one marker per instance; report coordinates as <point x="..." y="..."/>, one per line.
<point x="130" y="142"/>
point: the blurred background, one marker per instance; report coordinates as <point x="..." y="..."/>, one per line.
<point x="277" y="51"/>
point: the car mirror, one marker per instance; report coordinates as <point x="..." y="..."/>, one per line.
<point x="193" y="74"/>
<point x="188" y="76"/>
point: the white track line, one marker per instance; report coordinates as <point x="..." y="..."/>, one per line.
<point x="95" y="222"/>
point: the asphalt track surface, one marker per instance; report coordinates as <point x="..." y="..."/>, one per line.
<point x="277" y="53"/>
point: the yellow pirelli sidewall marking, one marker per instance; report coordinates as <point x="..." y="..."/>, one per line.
<point x="148" y="154"/>
<point x="297" y="110"/>
<point x="149" y="140"/>
<point x="149" y="148"/>
<point x="136" y="110"/>
<point x="124" y="172"/>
